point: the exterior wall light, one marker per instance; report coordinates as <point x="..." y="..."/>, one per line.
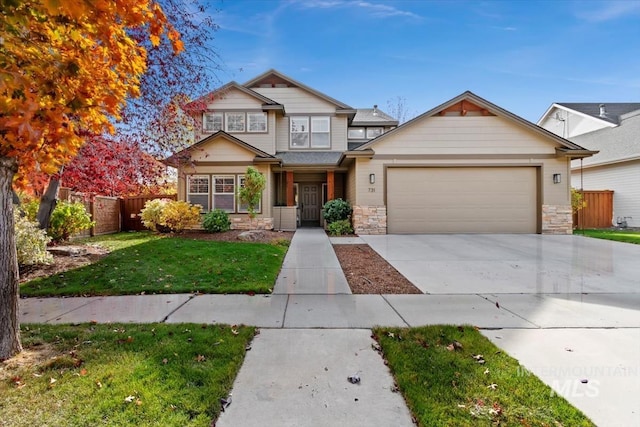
<point x="557" y="178"/>
<point x="372" y="178"/>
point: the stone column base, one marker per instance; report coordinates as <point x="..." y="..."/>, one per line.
<point x="557" y="219"/>
<point x="369" y="219"/>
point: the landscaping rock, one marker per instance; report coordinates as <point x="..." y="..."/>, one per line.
<point x="251" y="235"/>
<point x="73" y="251"/>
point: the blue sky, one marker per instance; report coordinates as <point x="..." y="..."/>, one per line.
<point x="520" y="55"/>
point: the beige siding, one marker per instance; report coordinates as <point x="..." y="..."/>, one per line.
<point x="464" y="135"/>
<point x="339" y="133"/>
<point x="221" y="150"/>
<point x="282" y="134"/>
<point x="234" y="99"/>
<point x="623" y="179"/>
<point x="297" y="101"/>
<point x="350" y="186"/>
<point x="462" y="200"/>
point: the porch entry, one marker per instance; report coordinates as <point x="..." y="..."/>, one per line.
<point x="310" y="204"/>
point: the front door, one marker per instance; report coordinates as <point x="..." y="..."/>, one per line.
<point x="311" y="203"/>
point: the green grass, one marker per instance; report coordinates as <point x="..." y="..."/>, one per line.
<point x="146" y="263"/>
<point x="118" y="241"/>
<point x="627" y="236"/>
<point x="173" y="375"/>
<point x="450" y="388"/>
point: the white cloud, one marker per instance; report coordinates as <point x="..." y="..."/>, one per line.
<point x="375" y="9"/>
<point x="609" y="10"/>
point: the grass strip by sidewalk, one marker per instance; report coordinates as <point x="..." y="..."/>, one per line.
<point x="627" y="236"/>
<point x="455" y="376"/>
<point x="168" y="265"/>
<point x="121" y="374"/>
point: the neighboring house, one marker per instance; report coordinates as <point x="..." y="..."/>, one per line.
<point x="467" y="166"/>
<point x="612" y="129"/>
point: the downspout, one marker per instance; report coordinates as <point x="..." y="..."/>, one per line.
<point x="580" y="214"/>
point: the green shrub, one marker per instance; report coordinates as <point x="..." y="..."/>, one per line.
<point x="179" y="215"/>
<point x="31" y="242"/>
<point x="68" y="218"/>
<point x="339" y="228"/>
<point x="216" y="221"/>
<point x="30" y="209"/>
<point x="336" y="210"/>
<point x="151" y="214"/>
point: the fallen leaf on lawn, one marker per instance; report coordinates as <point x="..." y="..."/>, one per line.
<point x="492" y="386"/>
<point x="99" y="384"/>
<point x="450" y="347"/>
<point x="83" y="372"/>
<point x="138" y="402"/>
<point x="37" y="375"/>
<point x="486" y="371"/>
<point x="461" y="406"/>
<point x="391" y="335"/>
<point x="201" y="358"/>
<point x="129" y="399"/>
<point x="234" y="332"/>
<point x="52" y="380"/>
<point x="165" y="361"/>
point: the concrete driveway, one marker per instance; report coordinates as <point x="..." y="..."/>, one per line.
<point x="578" y="299"/>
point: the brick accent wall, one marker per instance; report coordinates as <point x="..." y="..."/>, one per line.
<point x="369" y="219"/>
<point x="245" y="223"/>
<point x="557" y="219"/>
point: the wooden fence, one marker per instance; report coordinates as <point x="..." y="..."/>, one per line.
<point x="130" y="207"/>
<point x="111" y="214"/>
<point x="598" y="210"/>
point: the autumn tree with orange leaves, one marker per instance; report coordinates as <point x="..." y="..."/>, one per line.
<point x="66" y="67"/>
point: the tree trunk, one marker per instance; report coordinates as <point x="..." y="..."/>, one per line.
<point x="48" y="202"/>
<point x="9" y="325"/>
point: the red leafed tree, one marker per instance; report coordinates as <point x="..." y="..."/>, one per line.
<point x="114" y="167"/>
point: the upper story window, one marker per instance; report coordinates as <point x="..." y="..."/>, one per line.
<point x="212" y="122"/>
<point x="374" y="132"/>
<point x="235" y="122"/>
<point x="364" y="132"/>
<point x="314" y="132"/>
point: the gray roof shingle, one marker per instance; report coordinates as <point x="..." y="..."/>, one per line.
<point x="309" y="157"/>
<point x="614" y="144"/>
<point x="613" y="109"/>
<point x="372" y="117"/>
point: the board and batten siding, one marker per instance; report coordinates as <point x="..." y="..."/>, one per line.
<point x="296" y="100"/>
<point x="623" y="179"/>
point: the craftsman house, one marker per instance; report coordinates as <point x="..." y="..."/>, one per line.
<point x="466" y="166"/>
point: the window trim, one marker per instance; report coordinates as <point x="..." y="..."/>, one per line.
<point x="204" y="121"/>
<point x="235" y="113"/>
<point x="208" y="193"/>
<point x="214" y="193"/>
<point x="257" y="113"/>
<point x="380" y="128"/>
<point x="360" y="128"/>
<point x="310" y="132"/>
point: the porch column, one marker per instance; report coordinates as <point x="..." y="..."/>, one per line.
<point x="331" y="193"/>
<point x="290" y="196"/>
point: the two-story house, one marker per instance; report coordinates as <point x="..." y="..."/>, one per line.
<point x="465" y="166"/>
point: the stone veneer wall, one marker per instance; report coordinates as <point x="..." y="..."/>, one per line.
<point x="245" y="223"/>
<point x="557" y="219"/>
<point x="369" y="219"/>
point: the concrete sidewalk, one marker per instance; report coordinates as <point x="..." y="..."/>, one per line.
<point x="312" y="322"/>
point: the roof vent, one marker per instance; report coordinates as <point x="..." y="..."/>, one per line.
<point x="375" y="110"/>
<point x="603" y="111"/>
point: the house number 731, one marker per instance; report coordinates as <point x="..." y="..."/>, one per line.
<point x="372" y="190"/>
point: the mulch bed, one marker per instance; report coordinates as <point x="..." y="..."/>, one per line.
<point x="369" y="273"/>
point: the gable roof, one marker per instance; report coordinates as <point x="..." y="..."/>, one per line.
<point x="613" y="110"/>
<point x="477" y="102"/>
<point x="373" y="116"/>
<point x="617" y="144"/>
<point x="184" y="154"/>
<point x="203" y="100"/>
<point x="294" y="83"/>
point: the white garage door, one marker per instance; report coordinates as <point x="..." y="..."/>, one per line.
<point x="462" y="200"/>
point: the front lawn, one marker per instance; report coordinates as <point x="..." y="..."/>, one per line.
<point x="146" y="263"/>
<point x="627" y="236"/>
<point x="133" y="375"/>
<point x="455" y="376"/>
